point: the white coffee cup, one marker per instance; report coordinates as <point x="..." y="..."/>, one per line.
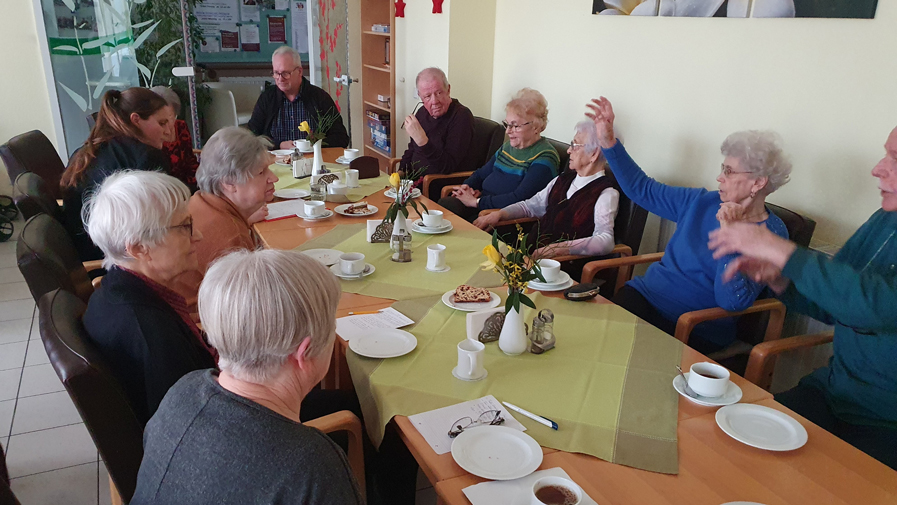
<point x="551" y="270"/>
<point x="351" y="178"/>
<point x="432" y="218"/>
<point x="708" y="379"/>
<point x="350" y="154"/>
<point x="470" y="359"/>
<point x="351" y="263"/>
<point x="337" y="188"/>
<point x="302" y="145"/>
<point x="436" y="257"/>
<point x="556" y="482"/>
<point x="314" y="208"/>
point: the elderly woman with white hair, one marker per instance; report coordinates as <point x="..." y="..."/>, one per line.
<point x="140" y="326"/>
<point x="689" y="277"/>
<point x="576" y="211"/>
<point x="236" y="436"/>
<point x="178" y="145"/>
<point x="522" y="167"/>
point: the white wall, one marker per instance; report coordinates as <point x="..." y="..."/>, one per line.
<point x="680" y="85"/>
<point x="471" y="54"/>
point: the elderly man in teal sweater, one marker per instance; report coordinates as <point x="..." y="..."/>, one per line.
<point x="855" y="397"/>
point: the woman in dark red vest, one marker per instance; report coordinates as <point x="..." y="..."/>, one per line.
<point x="577" y="209"/>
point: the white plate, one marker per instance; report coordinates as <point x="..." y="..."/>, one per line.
<point x="732" y="395"/>
<point x="419" y="228"/>
<point x="384" y="343"/>
<point x="449" y="298"/>
<point x="496" y="452"/>
<point x="368" y="270"/>
<point x="291" y="193"/>
<point x="281" y="152"/>
<point x="341" y="209"/>
<point x="327" y="213"/>
<point x="391" y="193"/>
<point x="281" y="164"/>
<point x="563" y="283"/>
<point x="343" y="161"/>
<point x="326" y="256"/>
<point x="761" y="427"/>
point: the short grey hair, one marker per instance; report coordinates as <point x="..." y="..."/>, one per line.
<point x="132" y="207"/>
<point x="435" y="73"/>
<point x="760" y="153"/>
<point x="587" y="128"/>
<point x="169" y="96"/>
<point x="229" y="157"/>
<point x="297" y="58"/>
<point x="257" y="306"/>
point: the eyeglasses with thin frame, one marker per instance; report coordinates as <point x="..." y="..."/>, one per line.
<point x="727" y="171"/>
<point x="575" y="147"/>
<point x="488" y="418"/>
<point x="187" y="226"/>
<point x="514" y="127"/>
<point x="284" y="75"/>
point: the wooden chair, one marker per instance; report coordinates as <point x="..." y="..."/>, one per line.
<point x="33" y="152"/>
<point x="762" y="361"/>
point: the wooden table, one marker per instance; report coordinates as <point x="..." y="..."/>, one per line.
<point x="713" y="468"/>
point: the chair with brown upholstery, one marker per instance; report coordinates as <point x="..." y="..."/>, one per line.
<point x="96" y="393"/>
<point x="6" y="495"/>
<point x="33" y="152"/>
<point x="32" y="196"/>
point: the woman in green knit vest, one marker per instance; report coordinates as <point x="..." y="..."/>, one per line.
<point x="855" y="397"/>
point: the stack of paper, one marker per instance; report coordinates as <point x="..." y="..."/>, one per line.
<point x="356" y="326"/>
<point x="436" y="424"/>
<point x="287" y="208"/>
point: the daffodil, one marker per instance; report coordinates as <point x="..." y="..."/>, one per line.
<point x="303" y="127"/>
<point x="395" y="179"/>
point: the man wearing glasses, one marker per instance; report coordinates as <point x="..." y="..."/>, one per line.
<point x="440" y="131"/>
<point x="282" y="108"/>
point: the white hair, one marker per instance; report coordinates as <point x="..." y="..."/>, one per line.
<point x="587" y="129"/>
<point x="132" y="207"/>
<point x="257" y="306"/>
<point x="760" y="153"/>
<point x="229" y="157"/>
<point x="434" y="73"/>
<point x="297" y="58"/>
<point x="169" y="96"/>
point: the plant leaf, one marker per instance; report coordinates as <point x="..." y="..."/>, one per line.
<point x="143" y="36"/>
<point x="96" y="43"/>
<point x="145" y="71"/>
<point x="142" y="24"/>
<point x="102" y="83"/>
<point x="526" y="301"/>
<point x="509" y="303"/>
<point x="68" y="48"/>
<point x="117" y="15"/>
<point x="75" y="96"/>
<point x="167" y="46"/>
<point x="70" y="4"/>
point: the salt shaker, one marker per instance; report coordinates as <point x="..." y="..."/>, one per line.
<point x="296" y="160"/>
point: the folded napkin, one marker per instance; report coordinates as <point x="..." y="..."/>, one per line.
<point x="514" y="492"/>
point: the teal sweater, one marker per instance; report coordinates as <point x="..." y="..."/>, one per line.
<point x="857" y="292"/>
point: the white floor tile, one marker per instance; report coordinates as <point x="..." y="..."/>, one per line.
<point x="10" y="274"/>
<point x="12" y="355"/>
<point x="14" y="291"/>
<point x="425" y="497"/>
<point x="16" y="330"/>
<point x="36" y="354"/>
<point x="38" y="380"/>
<point x="6" y="410"/>
<point x="34" y="413"/>
<point x="8" y="260"/>
<point x="42" y="451"/>
<point x="9" y="247"/>
<point x="105" y="494"/>
<point x="16" y="309"/>
<point x="35" y="325"/>
<point x="73" y="486"/>
<point x="9" y="384"/>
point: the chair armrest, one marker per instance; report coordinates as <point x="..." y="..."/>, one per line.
<point x="346" y="421"/>
<point x="763" y="356"/>
<point x="624" y="263"/>
<point x="93" y="265"/>
<point x="776" y="309"/>
<point x="95" y="282"/>
<point x="486" y="212"/>
<point x="393" y="162"/>
<point x="510" y="222"/>
<point x="448" y="179"/>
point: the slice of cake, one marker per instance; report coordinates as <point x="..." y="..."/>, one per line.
<point x="358" y="208"/>
<point x="470" y="294"/>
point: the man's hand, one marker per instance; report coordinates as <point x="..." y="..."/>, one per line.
<point x="416" y="131"/>
<point x="751" y="240"/>
<point x="259" y="215"/>
<point x="488" y="221"/>
<point x="603" y="116"/>
<point x="287" y="144"/>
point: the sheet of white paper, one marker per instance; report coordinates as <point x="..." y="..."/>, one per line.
<point x="210" y="45"/>
<point x="350" y="327"/>
<point x="299" y="24"/>
<point x="213" y="14"/>
<point x="249" y="34"/>
<point x="514" y="492"/>
<point x="281" y="5"/>
<point x="249" y="11"/>
<point x="435" y="424"/>
<point x="285" y="208"/>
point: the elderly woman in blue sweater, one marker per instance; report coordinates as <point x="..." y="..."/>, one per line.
<point x="689" y="277"/>
<point x="855" y="397"/>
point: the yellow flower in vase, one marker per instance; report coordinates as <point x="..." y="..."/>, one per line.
<point x="493" y="258"/>
<point x="303" y="127"/>
<point x="395" y="180"/>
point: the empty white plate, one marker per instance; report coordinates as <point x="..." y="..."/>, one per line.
<point x="732" y="395"/>
<point x="291" y="193"/>
<point x="384" y="344"/>
<point x="326" y="256"/>
<point x="761" y="427"/>
<point x="496" y="452"/>
<point x="449" y="300"/>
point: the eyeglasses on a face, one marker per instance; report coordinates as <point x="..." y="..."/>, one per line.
<point x="188" y="226"/>
<point x="575" y="147"/>
<point x="727" y="171"/>
<point x="514" y="127"/>
<point x="285" y="74"/>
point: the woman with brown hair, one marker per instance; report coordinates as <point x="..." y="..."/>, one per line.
<point x="128" y="134"/>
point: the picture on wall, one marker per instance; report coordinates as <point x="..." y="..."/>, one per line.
<point x="858" y="9"/>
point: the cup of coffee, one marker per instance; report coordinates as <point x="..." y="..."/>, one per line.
<point x="556" y="491"/>
<point x="436" y="257"/>
<point x="551" y="270"/>
<point x="313" y="208"/>
<point x="350" y="154"/>
<point x="432" y="218"/>
<point x="470" y="359"/>
<point x="302" y="145"/>
<point x="708" y="379"/>
<point x="351" y="263"/>
<point x="351" y="178"/>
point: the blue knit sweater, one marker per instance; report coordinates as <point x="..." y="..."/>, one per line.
<point x="513" y="175"/>
<point x="687" y="278"/>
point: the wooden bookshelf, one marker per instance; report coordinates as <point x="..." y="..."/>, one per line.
<point x="377" y="73"/>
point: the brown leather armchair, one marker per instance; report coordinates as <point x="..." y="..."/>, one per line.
<point x="32" y="196"/>
<point x="33" y="152"/>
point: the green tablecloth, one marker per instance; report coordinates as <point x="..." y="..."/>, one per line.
<point x="607" y="383"/>
<point x="367" y="187"/>
<point x="404" y="281"/>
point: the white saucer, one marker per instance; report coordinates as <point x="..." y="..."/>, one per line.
<point x="281" y="164"/>
<point x="343" y="161"/>
<point x="281" y="152"/>
<point x="449" y="297"/>
<point x="368" y="270"/>
<point x="455" y="373"/>
<point x="341" y="210"/>
<point x="326" y="256"/>
<point x="496" y="452"/>
<point x="384" y="343"/>
<point x="446" y="269"/>
<point x="732" y="395"/>
<point x="761" y="427"/>
<point x="310" y="150"/>
<point x="391" y="193"/>
<point x="327" y="213"/>
<point x="563" y="283"/>
<point x="418" y="227"/>
<point x="291" y="193"/>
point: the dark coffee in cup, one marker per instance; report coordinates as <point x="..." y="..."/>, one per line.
<point x="708" y="375"/>
<point x="556" y="495"/>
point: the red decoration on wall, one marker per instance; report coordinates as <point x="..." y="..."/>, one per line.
<point x="437" y="6"/>
<point x="400" y="9"/>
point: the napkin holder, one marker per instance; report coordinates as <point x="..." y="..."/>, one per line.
<point x="378" y="231"/>
<point x="485" y="325"/>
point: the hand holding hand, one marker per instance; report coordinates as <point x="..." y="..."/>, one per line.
<point x="466" y="196"/>
<point x="416" y="131"/>
<point x="603" y="116"/>
<point x="488" y="221"/>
